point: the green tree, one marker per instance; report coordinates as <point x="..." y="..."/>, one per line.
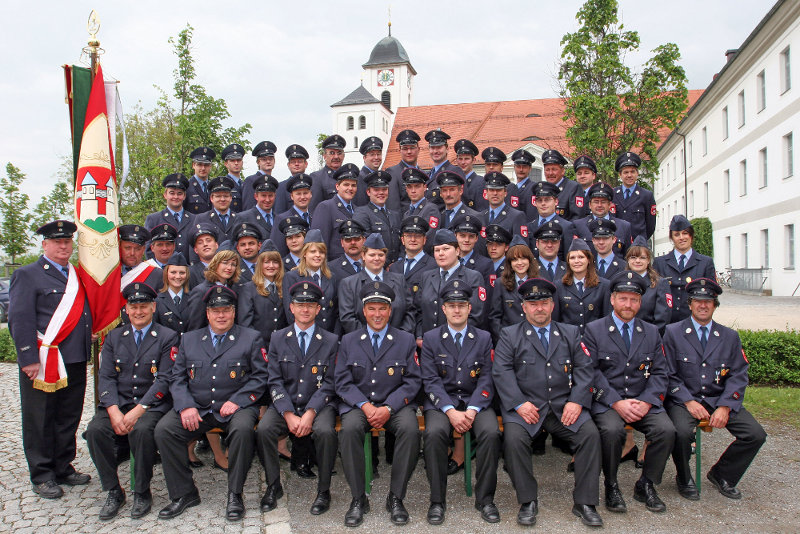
<point x="320" y="151"/>
<point x="13" y="205"/>
<point x="610" y="107"/>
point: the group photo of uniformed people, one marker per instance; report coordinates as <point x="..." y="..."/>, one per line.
<point x="287" y="320"/>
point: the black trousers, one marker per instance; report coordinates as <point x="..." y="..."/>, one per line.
<point x="49" y="424"/>
<point x="172" y="440"/>
<point x="749" y="437"/>
<point x="487" y="438"/>
<point x="101" y="439"/>
<point x="351" y="444"/>
<point x="273" y="426"/>
<point x="585" y="442"/>
<point x="658" y="431"/>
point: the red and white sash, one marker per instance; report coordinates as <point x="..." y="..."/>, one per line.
<point x="137" y="274"/>
<point x="52" y="372"/>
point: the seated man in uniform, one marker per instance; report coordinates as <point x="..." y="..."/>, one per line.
<point x="219" y="374"/>
<point x="543" y="376"/>
<point x="630" y="380"/>
<point x="133" y="382"/>
<point x="377" y="379"/>
<point x="707" y="383"/>
<point x="456" y="368"/>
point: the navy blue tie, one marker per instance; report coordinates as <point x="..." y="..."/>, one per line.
<point x="137" y="337"/>
<point x="626" y="336"/>
<point x="682" y="263"/>
<point x="218" y="342"/>
<point x="703" y="336"/>
<point x="409" y="261"/>
<point x="580" y="288"/>
<point x="458" y="341"/>
<point x="375" y="346"/>
<point x="357" y="266"/>
<point x="543" y="339"/>
<point x="224" y="219"/>
<point x="303" y="342"/>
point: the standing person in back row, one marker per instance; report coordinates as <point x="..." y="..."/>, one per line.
<point x="634" y="203"/>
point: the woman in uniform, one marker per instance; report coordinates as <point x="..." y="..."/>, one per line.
<point x="173" y="299"/>
<point x="506" y="306"/>
<point x="223" y="269"/>
<point x="657" y="301"/>
<point x="581" y="295"/>
<point x="261" y="299"/>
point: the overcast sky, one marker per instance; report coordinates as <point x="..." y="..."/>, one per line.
<point x="279" y="65"/>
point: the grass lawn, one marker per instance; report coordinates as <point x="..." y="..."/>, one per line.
<point x="778" y="404"/>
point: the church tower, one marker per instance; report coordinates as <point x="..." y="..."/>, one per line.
<point x="387" y="83"/>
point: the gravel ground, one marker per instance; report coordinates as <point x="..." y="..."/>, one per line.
<point x="753" y="312"/>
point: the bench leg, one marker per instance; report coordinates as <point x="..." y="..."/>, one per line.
<point x="468" y="463"/>
<point x="698" y="437"/>
<point x="368" y="463"/>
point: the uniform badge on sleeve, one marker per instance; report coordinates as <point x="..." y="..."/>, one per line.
<point x="669" y="300"/>
<point x="173" y="352"/>
<point x="433" y="222"/>
<point x="492" y="279"/>
<point x="653" y="210"/>
<point x="264" y="354"/>
<point x="523" y="230"/>
<point x="514" y="202"/>
<point x="585" y="350"/>
<point x="579" y="201"/>
<point x="482" y="293"/>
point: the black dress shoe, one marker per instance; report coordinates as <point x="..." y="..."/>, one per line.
<point x="48" y="490"/>
<point x="453" y="467"/>
<point x="688" y="490"/>
<point x="436" y="513"/>
<point x="489" y="512"/>
<point x="305" y="471"/>
<point x="114" y="501"/>
<point x="527" y="513"/>
<point x="234" y="511"/>
<point x="588" y="515"/>
<point x="142" y="502"/>
<point x="637" y="464"/>
<point x="724" y="488"/>
<point x="202" y="445"/>
<point x="645" y="492"/>
<point x="195" y="464"/>
<point x="398" y="512"/>
<point x="74" y="479"/>
<point x="283" y="457"/>
<point x="614" y="501"/>
<point x="270" y="499"/>
<point x="321" y="503"/>
<point x="176" y="507"/>
<point x="355" y="514"/>
<point x="217" y="466"/>
<point x="631" y="456"/>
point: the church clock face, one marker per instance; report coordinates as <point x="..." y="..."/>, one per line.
<point x="385" y="77"/>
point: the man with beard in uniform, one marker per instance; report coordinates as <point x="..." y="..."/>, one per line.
<point x="451" y="189"/>
<point x="324" y="183"/>
<point x="456" y="367"/>
<point x="133" y="383"/>
<point x="301" y="370"/>
<point x="415" y="261"/>
<point x="175" y="186"/>
<point x="466" y="152"/>
<point x="297" y="163"/>
<point x="543" y="376"/>
<point x="522" y="196"/>
<point x="376" y="218"/>
<point x="707" y="383"/>
<point x="132" y="239"/>
<point x="264" y="152"/>
<point x="351" y="239"/>
<point x="498" y="211"/>
<point x="331" y="213"/>
<point x="197" y="194"/>
<point x="599" y="200"/>
<point x="377" y="379"/>
<point x="603" y="233"/>
<point x="408" y="141"/>
<point x="546" y="195"/>
<point x="205" y="242"/>
<point x="585" y="176"/>
<point x="634" y="203"/>
<point x="232" y="156"/>
<point x="630" y="381"/>
<point x="300" y="190"/>
<point x="554" y="164"/>
<point x="371" y="150"/>
<point x="262" y="213"/>
<point x="50" y="418"/>
<point x="219" y="374"/>
<point x="426" y="299"/>
<point x="247" y="237"/>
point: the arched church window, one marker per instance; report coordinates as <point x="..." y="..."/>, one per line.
<point x="350" y="123"/>
<point x="386" y="99"/>
<point x="362" y="122"/>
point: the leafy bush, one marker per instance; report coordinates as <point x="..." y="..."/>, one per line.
<point x="774" y="356"/>
<point x="8" y="353"/>
<point x="703" y="242"/>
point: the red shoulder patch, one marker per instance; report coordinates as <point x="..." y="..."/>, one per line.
<point x="514" y="202"/>
<point x="416" y="358"/>
<point x="579" y="201"/>
<point x="669" y="300"/>
<point x="482" y="293"/>
<point x="485" y="394"/>
<point x="653" y="210"/>
<point x="585" y="350"/>
<point x="523" y="230"/>
<point x="433" y="222"/>
<point x="483" y="232"/>
<point x="264" y="354"/>
<point x="613" y="208"/>
<point x="745" y="357"/>
<point x="484" y="194"/>
<point x="491" y="354"/>
<point x="159" y="395"/>
<point x="492" y="279"/>
<point x="173" y="352"/>
<point x="533" y="200"/>
<point x="252" y="397"/>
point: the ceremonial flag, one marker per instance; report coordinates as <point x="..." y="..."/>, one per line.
<point x="96" y="210"/>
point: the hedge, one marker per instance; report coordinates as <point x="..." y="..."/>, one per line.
<point x="703" y="240"/>
<point x="774" y="355"/>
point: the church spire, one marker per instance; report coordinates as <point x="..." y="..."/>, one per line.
<point x="390" y="20"/>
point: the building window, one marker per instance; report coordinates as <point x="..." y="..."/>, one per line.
<point x="724" y="123"/>
<point x="786" y="70"/>
<point x="765" y="249"/>
<point x="536" y="174"/>
<point x="683" y="160"/>
<point x="788" y="232"/>
<point x="728" y="252"/>
<point x="362" y="122"/>
<point x="726" y="186"/>
<point x="690" y="155"/>
<point x="788" y="155"/>
<point x="705" y="140"/>
<point x="705" y="196"/>
<point x="744" y="252"/>
<point x="674" y="169"/>
<point x="762" y="168"/>
<point x="743" y="178"/>
<point x="667" y="177"/>
<point x="386" y="99"/>
<point x="355" y="142"/>
<point x="350" y="123"/>
<point x="761" y="91"/>
<point x="691" y="203"/>
<point x="741" y="108"/>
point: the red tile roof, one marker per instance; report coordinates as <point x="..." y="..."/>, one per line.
<point x="506" y="125"/>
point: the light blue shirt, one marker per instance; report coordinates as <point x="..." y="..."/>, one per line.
<point x="521" y="184"/>
<point x="215" y="334"/>
<point x="631" y="189"/>
<point x="455" y="210"/>
<point x="697" y="328"/>
<point x="450" y="272"/>
<point x="248" y="264"/>
<point x="678" y="255"/>
<point x="536" y="331"/>
<point x="300" y="213"/>
<point x="549" y="218"/>
<point x="413" y="259"/>
<point x="373" y="275"/>
<point x="343" y="201"/>
<point x="295" y="259"/>
<point x="173" y="294"/>
<point x="267" y="215"/>
<point x="57" y="266"/>
<point x="416" y="206"/>
<point x="309" y="333"/>
<point x="463" y="333"/>
<point x="498" y="263"/>
<point x="381" y="334"/>
<point x="619" y="322"/>
<point x="547" y="264"/>
<point x="227" y="213"/>
<point x="495" y="212"/>
<point x="145" y="329"/>
<point x="176" y="213"/>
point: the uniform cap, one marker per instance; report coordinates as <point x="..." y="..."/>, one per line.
<point x="584" y="162"/>
<point x="370" y="143"/>
<point x="414" y="225"/>
<point x="465" y="146"/>
<point x="553" y="156"/>
<point x="265" y="183"/>
<point x="455" y="291"/>
<point x="264" y="148"/>
<point x="58" y="229"/>
<point x="703" y="289"/>
<point x="163" y="232"/>
<point x="407" y="137"/>
<point x="378" y="179"/>
<point x="628" y="282"/>
<point x="376" y="292"/>
<point x="466" y="224"/>
<point x="522" y="157"/>
<point x="549" y="230"/>
<point x="203" y="154"/>
<point x="444" y="236"/>
<point x="436" y="137"/>
<point x="177" y="259"/>
<point x="493" y="155"/>
<point x="602" y="227"/>
<point x="305" y="291"/>
<point x="221" y="184"/>
<point x="247" y="229"/>
<point x="298" y="181"/>
<point x="496" y="180"/>
<point x="218" y="296"/>
<point x="314" y="236"/>
<point x="375" y="241"/>
<point x="138" y="292"/>
<point x="545" y="189"/>
<point x="412" y="175"/>
<point x="233" y="151"/>
<point x="296" y="151"/>
<point x="292" y="225"/>
<point x="351" y="228"/>
<point x="449" y="178"/>
<point x="627" y="159"/>
<point x="536" y="289"/>
<point x="175" y="181"/>
<point x="335" y="142"/>
<point x="348" y="171"/>
<point x="497" y="234"/>
<point x="601" y="190"/>
<point x="679" y="223"/>
<point x="134" y="233"/>
<point x="204" y="229"/>
<point x="578" y="244"/>
<point x="268" y="246"/>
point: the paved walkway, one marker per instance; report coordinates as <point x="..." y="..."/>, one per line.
<point x="753" y="312"/>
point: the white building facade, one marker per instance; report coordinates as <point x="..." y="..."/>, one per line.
<point x="732" y="160"/>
